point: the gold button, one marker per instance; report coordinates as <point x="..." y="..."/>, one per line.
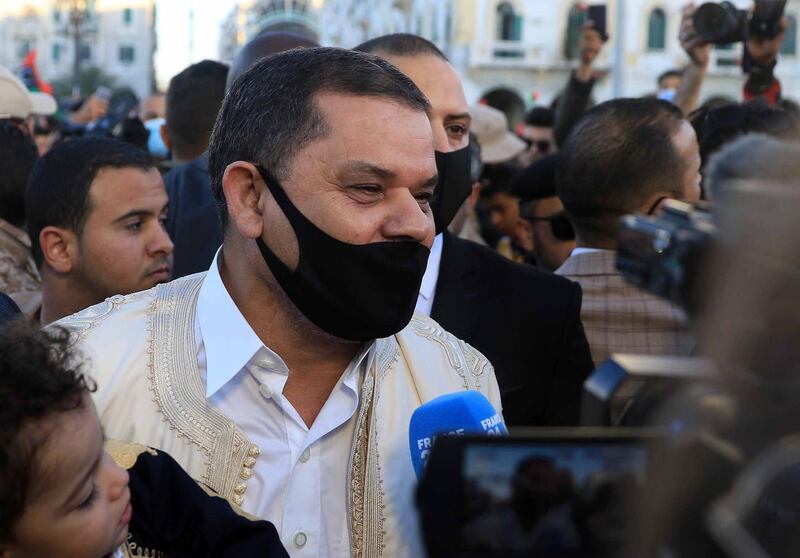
<point x="245" y="474"/>
<point x="254" y="451"/>
<point x="237" y="499"/>
<point x="249" y="461"/>
<point x="240" y="488"/>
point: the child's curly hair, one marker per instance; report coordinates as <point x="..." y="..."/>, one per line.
<point x="39" y="377"/>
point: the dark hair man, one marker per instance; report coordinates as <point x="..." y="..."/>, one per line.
<point x="544" y="225"/>
<point x="194" y="98"/>
<point x="668" y="84"/>
<point x="285" y="377"/>
<point x="525" y="321"/>
<point x="538" y="130"/>
<point x="95" y="210"/>
<point x="503" y="207"/>
<point x="625" y="156"/>
<point x="18" y="153"/>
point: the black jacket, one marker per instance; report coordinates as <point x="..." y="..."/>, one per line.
<point x="192" y="220"/>
<point x="525" y="321"/>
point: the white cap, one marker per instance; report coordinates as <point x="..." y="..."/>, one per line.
<point x="17" y="102"/>
<point x="491" y="127"/>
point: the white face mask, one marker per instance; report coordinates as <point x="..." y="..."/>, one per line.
<point x="667" y="95"/>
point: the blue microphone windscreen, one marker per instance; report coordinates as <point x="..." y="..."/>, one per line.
<point x="460" y="413"/>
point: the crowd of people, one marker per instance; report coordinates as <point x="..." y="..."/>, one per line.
<point x="218" y="317"/>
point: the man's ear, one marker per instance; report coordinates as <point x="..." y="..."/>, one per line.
<point x="60" y="249"/>
<point x="652" y="205"/>
<point x="164" y="133"/>
<point x="242" y="186"/>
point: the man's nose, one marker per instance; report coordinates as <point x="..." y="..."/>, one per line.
<point x="407" y="219"/>
<point x="161" y="242"/>
<point x="440" y="141"/>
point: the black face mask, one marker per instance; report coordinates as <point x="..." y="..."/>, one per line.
<point x="358" y="292"/>
<point x="455" y="185"/>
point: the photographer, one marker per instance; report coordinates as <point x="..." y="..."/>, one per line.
<point x="761" y="51"/>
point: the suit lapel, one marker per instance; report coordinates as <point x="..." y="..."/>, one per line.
<point x="457" y="286"/>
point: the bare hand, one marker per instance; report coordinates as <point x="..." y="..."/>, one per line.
<point x="699" y="51"/>
<point x="92" y="109"/>
<point x="765" y="51"/>
<point x="589" y="43"/>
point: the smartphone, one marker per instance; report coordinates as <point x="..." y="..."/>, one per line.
<point x="597" y="13"/>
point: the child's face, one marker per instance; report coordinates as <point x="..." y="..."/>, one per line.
<point x="78" y="503"/>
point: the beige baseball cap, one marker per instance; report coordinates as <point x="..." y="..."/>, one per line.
<point x="17" y="102"/>
<point x="491" y="127"/>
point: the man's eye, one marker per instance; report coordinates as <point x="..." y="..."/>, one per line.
<point x="424" y="197"/>
<point x="135" y="226"/>
<point x="367" y="189"/>
<point x="457" y="130"/>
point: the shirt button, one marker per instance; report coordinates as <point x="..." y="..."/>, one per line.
<point x="305" y="456"/>
<point x="265" y="391"/>
<point x="300" y="539"/>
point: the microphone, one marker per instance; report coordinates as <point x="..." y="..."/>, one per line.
<point x="460" y="413"/>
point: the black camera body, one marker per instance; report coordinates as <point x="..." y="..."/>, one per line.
<point x="663" y="254"/>
<point x="724" y="23"/>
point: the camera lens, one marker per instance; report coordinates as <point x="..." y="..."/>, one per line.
<point x="711" y="21"/>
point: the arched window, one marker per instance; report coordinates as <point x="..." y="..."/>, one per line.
<point x="509" y="24"/>
<point x="575" y="20"/>
<point x="657" y="30"/>
<point x="789" y="45"/>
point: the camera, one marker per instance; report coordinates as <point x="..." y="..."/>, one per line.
<point x="663" y="254"/>
<point x="724" y="23"/>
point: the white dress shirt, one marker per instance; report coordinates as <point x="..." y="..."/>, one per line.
<point x="431" y="277"/>
<point x="300" y="479"/>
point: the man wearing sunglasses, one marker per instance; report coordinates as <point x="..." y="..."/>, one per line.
<point x="543" y="227"/>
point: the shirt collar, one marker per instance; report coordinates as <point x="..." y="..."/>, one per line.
<point x="431" y="277"/>
<point x="228" y="339"/>
<point x="583" y="250"/>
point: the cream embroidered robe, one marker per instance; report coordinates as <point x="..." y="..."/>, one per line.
<point x="142" y="353"/>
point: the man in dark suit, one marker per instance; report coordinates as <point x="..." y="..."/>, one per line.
<point x="194" y="98"/>
<point x="524" y="320"/>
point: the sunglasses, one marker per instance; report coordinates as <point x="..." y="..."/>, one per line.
<point x="559" y="225"/>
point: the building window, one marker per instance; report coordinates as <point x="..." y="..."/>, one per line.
<point x="789" y="45"/>
<point x="127" y="16"/>
<point x="86" y="53"/>
<point x="509" y="24"/>
<point x="24" y="46"/>
<point x="126" y="54"/>
<point x="57" y="16"/>
<point x="657" y="30"/>
<point x="575" y="20"/>
<point x="56" y="52"/>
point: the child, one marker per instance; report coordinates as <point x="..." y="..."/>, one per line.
<point x="62" y="494"/>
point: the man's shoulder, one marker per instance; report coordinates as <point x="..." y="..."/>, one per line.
<point x="186" y="176"/>
<point x="116" y="317"/>
<point x="509" y="273"/>
<point x="428" y="337"/>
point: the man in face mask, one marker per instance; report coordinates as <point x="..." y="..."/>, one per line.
<point x="285" y="376"/>
<point x="526" y="321"/>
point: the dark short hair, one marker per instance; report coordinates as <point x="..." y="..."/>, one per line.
<point x="537" y="180"/>
<point x="616" y="156"/>
<point x="270" y="114"/>
<point x="541" y="117"/>
<point x="18" y="153"/>
<point x="496" y="178"/>
<point x="718" y="126"/>
<point x="38" y="379"/>
<point x="193" y="100"/>
<point x="668" y="74"/>
<point x="58" y="190"/>
<point x="401" y="44"/>
<point x="266" y="43"/>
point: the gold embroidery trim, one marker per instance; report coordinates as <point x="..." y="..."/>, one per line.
<point x="125" y="454"/>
